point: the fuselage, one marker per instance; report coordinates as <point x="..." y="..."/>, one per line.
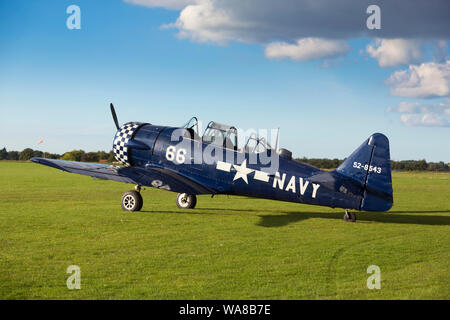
<point x="237" y="172"/>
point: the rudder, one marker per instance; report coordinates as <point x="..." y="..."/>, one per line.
<point x="370" y="165"/>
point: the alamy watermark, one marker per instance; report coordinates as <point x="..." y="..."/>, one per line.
<point x="374" y="20"/>
<point x="74" y="280"/>
<point x="374" y="280"/>
<point x="220" y="145"/>
<point x="74" y="20"/>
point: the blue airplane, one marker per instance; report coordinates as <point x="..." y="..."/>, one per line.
<point x="178" y="159"/>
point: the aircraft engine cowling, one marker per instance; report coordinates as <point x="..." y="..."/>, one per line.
<point x="121" y="140"/>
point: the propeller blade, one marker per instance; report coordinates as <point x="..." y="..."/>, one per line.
<point x="113" y="112"/>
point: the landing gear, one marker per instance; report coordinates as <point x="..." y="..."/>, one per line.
<point x="186" y="201"/>
<point x="132" y="201"/>
<point x="349" y="216"/>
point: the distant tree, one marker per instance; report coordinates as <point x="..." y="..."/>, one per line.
<point x="111" y="158"/>
<point x="26" y="154"/>
<point x="90" y="157"/>
<point x="74" y="155"/>
<point x="102" y="155"/>
<point x="68" y="156"/>
<point x="13" y="155"/>
<point x="437" y="166"/>
<point x="337" y="163"/>
<point x="52" y="156"/>
<point x="3" y="154"/>
<point x="322" y="163"/>
<point x="422" y="165"/>
<point x="38" y="154"/>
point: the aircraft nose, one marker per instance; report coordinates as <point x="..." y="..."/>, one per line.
<point x="121" y="142"/>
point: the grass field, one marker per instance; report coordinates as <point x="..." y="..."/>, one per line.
<point x="227" y="248"/>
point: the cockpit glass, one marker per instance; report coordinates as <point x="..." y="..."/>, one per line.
<point x="225" y="136"/>
<point x="256" y="144"/>
<point x="192" y="124"/>
<point x="221" y="135"/>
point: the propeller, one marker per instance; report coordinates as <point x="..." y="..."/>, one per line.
<point x="113" y="112"/>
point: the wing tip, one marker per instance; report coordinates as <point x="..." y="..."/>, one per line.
<point x="46" y="162"/>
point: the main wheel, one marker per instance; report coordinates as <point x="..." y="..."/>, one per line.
<point x="186" y="201"/>
<point x="132" y="201"/>
<point x="349" y="216"/>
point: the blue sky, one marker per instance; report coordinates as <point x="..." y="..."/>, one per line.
<point x="56" y="84"/>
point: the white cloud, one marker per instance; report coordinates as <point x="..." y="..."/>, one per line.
<point x="416" y="107"/>
<point x="424" y="120"/>
<point x="395" y="52"/>
<point x="423" y="115"/>
<point x="427" y="80"/>
<point x="167" y="4"/>
<point x="307" y="49"/>
<point x="204" y="22"/>
<point x="440" y="51"/>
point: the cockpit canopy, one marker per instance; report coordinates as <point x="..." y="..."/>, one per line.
<point x="256" y="144"/>
<point x="221" y="135"/>
<point x="226" y="136"/>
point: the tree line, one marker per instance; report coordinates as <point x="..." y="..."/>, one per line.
<point x="74" y="155"/>
<point x="102" y="156"/>
<point x="404" y="165"/>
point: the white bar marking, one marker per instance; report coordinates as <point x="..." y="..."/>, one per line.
<point x="224" y="166"/>
<point x="261" y="176"/>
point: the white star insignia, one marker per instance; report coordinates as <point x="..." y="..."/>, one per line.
<point x="242" y="171"/>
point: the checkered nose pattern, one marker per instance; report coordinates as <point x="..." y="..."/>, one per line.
<point x="122" y="137"/>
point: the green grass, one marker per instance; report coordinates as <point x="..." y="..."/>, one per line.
<point x="227" y="248"/>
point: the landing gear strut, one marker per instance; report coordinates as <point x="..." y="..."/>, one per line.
<point x="132" y="200"/>
<point x="186" y="201"/>
<point x="349" y="216"/>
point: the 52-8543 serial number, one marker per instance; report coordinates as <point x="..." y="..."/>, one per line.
<point x="366" y="167"/>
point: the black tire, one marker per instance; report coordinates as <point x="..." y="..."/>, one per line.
<point x="186" y="201"/>
<point x="132" y="201"/>
<point x="141" y="202"/>
<point x="349" y="216"/>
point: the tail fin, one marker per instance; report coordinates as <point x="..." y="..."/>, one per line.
<point x="370" y="165"/>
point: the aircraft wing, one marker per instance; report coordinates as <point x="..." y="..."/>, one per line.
<point x="157" y="177"/>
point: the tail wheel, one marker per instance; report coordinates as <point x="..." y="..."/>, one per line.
<point x="132" y="201"/>
<point x="349" y="216"/>
<point x="186" y="201"/>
